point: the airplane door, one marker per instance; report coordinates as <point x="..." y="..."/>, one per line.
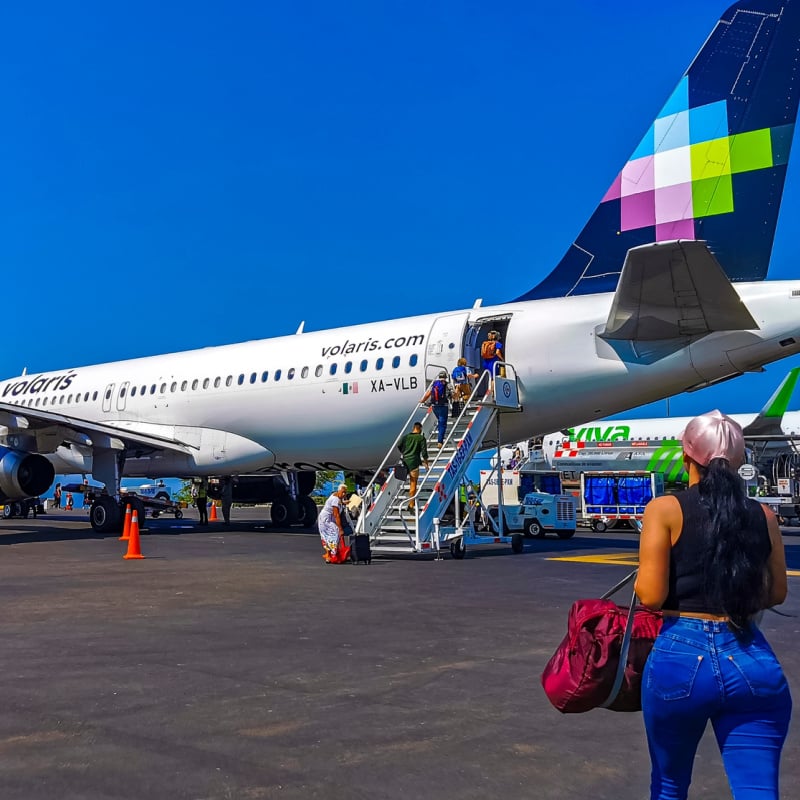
<point x="122" y="395"/>
<point x="445" y="344"/>
<point x="107" y="395"/>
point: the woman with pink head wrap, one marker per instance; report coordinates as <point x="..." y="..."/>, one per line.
<point x="711" y="560"/>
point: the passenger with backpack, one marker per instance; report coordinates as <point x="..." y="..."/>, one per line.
<point x="492" y="351"/>
<point x="462" y="386"/>
<point x="439" y="398"/>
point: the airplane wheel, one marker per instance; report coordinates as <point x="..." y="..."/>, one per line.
<point x="138" y="506"/>
<point x="307" y="512"/>
<point x="517" y="543"/>
<point x="458" y="549"/>
<point x="284" y="512"/>
<point x="105" y="515"/>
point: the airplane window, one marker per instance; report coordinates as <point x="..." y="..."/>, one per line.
<point x="184" y="386"/>
<point x="205" y="383"/>
<point x="195" y="383"/>
<point x="290" y="374"/>
<point x="108" y="393"/>
<point x="69" y="399"/>
<point x="364" y="365"/>
<point x="44" y="401"/>
<point x="413" y="360"/>
<point x="264" y="376"/>
<point x="277" y="374"/>
<point x="318" y="370"/>
<point x="229" y="380"/>
<point x="241" y="380"/>
<point x="143" y="390"/>
<point x="163" y="388"/>
<point x="348" y="366"/>
<point x="333" y="369"/>
<point x="174" y="387"/>
<point x="216" y="382"/>
<point x="396" y="362"/>
<point x="253" y="377"/>
<point x="86" y="397"/>
<point x="304" y="373"/>
<point x="133" y="391"/>
<point x="153" y="389"/>
<point x="61" y="400"/>
<point x="379" y="363"/>
<point x="94" y="396"/>
<point x="121" y="394"/>
<point x="37" y="402"/>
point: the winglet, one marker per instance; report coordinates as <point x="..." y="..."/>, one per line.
<point x="768" y="421"/>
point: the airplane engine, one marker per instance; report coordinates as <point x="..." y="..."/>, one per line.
<point x="24" y="474"/>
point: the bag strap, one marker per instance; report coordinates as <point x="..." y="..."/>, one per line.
<point x="626" y="639"/>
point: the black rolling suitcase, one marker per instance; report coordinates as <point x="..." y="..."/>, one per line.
<point x="360" y="549"/>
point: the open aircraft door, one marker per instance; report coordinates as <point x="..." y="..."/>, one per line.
<point x="445" y="344"/>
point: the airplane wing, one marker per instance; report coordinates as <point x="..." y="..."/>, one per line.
<point x="50" y="430"/>
<point x="671" y="290"/>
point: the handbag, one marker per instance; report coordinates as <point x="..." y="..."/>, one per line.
<point x="400" y="471"/>
<point x="600" y="661"/>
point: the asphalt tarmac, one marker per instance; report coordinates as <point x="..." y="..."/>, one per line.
<point x="231" y="662"/>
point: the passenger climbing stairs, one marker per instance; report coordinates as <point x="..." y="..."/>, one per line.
<point x="394" y="524"/>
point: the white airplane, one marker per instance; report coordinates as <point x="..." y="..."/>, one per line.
<point x="773" y="424"/>
<point x="662" y="292"/>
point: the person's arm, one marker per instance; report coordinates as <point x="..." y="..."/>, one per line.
<point x="337" y="516"/>
<point x="661" y="515"/>
<point x="777" y="562"/>
<point x="423" y="451"/>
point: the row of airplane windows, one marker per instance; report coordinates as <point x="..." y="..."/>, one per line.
<point x="291" y="374"/>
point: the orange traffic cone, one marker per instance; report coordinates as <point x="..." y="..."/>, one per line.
<point x="134" y="549"/>
<point x="126" y="528"/>
<point x="212" y="517"/>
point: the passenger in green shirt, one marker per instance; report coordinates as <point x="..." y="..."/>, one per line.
<point x="414" y="451"/>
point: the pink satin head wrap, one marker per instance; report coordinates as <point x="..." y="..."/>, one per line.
<point x="714" y="435"/>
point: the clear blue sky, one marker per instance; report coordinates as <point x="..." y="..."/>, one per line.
<point x="178" y="175"/>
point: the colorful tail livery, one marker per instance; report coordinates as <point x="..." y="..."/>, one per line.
<point x="713" y="163"/>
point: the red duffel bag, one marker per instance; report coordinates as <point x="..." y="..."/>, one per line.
<point x="583" y="673"/>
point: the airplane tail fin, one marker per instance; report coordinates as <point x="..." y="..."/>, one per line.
<point x="768" y="421"/>
<point x="713" y="163"/>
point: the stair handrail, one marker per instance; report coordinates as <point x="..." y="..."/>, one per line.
<point x="366" y="491"/>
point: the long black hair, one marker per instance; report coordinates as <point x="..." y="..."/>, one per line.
<point x="736" y="553"/>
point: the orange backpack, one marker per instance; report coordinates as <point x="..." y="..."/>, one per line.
<point x="487" y="348"/>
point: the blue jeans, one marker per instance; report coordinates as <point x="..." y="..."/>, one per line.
<point x="697" y="672"/>
<point x="441" y="412"/>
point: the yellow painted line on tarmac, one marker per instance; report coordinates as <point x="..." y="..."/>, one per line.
<point x="626" y="560"/>
<point x="629" y="559"/>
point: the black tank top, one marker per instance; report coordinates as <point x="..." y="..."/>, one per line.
<point x="686" y="580"/>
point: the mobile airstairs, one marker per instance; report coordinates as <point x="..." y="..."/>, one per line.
<point x="385" y="516"/>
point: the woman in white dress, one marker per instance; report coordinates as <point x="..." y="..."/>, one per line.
<point x="331" y="529"/>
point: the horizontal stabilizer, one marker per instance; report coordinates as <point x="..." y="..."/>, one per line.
<point x="671" y="290"/>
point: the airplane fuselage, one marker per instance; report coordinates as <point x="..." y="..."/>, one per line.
<point x="337" y="398"/>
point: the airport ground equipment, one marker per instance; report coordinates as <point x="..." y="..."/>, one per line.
<point x="540" y="513"/>
<point x="23" y="508"/>
<point x="385" y="517"/>
<point x="612" y="495"/>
